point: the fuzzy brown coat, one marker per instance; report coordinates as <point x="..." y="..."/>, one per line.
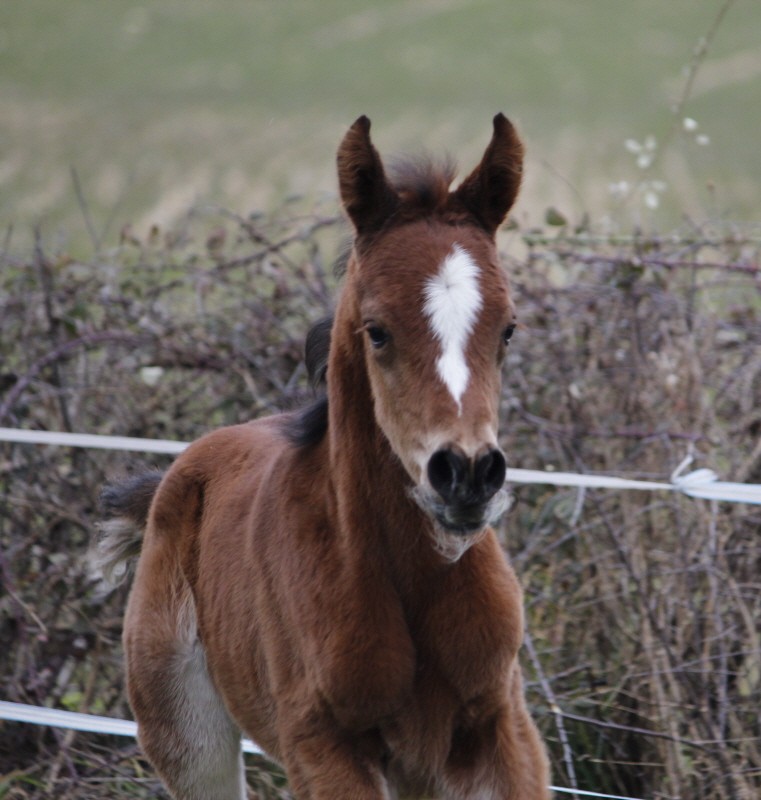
<point x="302" y="592"/>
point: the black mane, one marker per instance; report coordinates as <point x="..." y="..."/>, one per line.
<point x="308" y="426"/>
<point x="316" y="349"/>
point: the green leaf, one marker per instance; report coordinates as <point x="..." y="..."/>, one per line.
<point x="553" y="217"/>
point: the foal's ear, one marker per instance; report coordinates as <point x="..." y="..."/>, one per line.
<point x="367" y="195"/>
<point x="490" y="190"/>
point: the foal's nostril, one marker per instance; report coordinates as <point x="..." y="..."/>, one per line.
<point x="458" y="480"/>
<point x="447" y="472"/>
<point x="489" y="473"/>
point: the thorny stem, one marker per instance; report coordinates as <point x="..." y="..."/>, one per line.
<point x="699" y="56"/>
<point x="701" y="51"/>
<point x="703" y="718"/>
<point x="64" y="350"/>
<point x="666" y="263"/>
<point x="556" y="711"/>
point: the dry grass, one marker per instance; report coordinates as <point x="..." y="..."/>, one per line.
<point x="644" y="659"/>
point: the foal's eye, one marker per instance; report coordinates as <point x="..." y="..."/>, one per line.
<point x="507" y="333"/>
<point x="378" y="336"/>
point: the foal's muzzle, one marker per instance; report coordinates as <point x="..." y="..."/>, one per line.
<point x="466" y="486"/>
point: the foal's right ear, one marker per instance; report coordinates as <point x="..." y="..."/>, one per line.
<point x="366" y="194"/>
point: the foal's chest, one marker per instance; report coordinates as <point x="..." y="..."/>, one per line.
<point x="468" y="632"/>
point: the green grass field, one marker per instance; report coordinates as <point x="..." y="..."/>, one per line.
<point x="158" y="106"/>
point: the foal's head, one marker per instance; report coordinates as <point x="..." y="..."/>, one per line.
<point x="427" y="295"/>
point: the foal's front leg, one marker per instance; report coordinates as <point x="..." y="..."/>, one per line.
<point x="499" y="759"/>
<point x="326" y="763"/>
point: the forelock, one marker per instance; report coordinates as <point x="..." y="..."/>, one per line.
<point x="422" y="183"/>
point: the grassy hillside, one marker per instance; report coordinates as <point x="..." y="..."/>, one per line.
<point x="161" y="105"/>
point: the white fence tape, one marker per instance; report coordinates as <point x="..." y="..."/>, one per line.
<point x="702" y="483"/>
<point x="74" y="721"/>
<point x="92" y="440"/>
<point x="90" y="723"/>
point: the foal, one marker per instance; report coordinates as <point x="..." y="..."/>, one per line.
<point x="327" y="580"/>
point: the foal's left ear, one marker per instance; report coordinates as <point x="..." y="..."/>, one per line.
<point x="490" y="190"/>
<point x="367" y="195"/>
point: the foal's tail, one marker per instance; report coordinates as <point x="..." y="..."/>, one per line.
<point x="124" y="507"/>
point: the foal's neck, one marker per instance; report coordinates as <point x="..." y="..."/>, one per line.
<point x="372" y="489"/>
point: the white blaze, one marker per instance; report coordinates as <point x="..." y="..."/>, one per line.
<point x="452" y="302"/>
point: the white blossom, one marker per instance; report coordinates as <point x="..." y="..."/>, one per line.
<point x="151" y="375"/>
<point x="651" y="200"/>
<point x="619" y="188"/>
